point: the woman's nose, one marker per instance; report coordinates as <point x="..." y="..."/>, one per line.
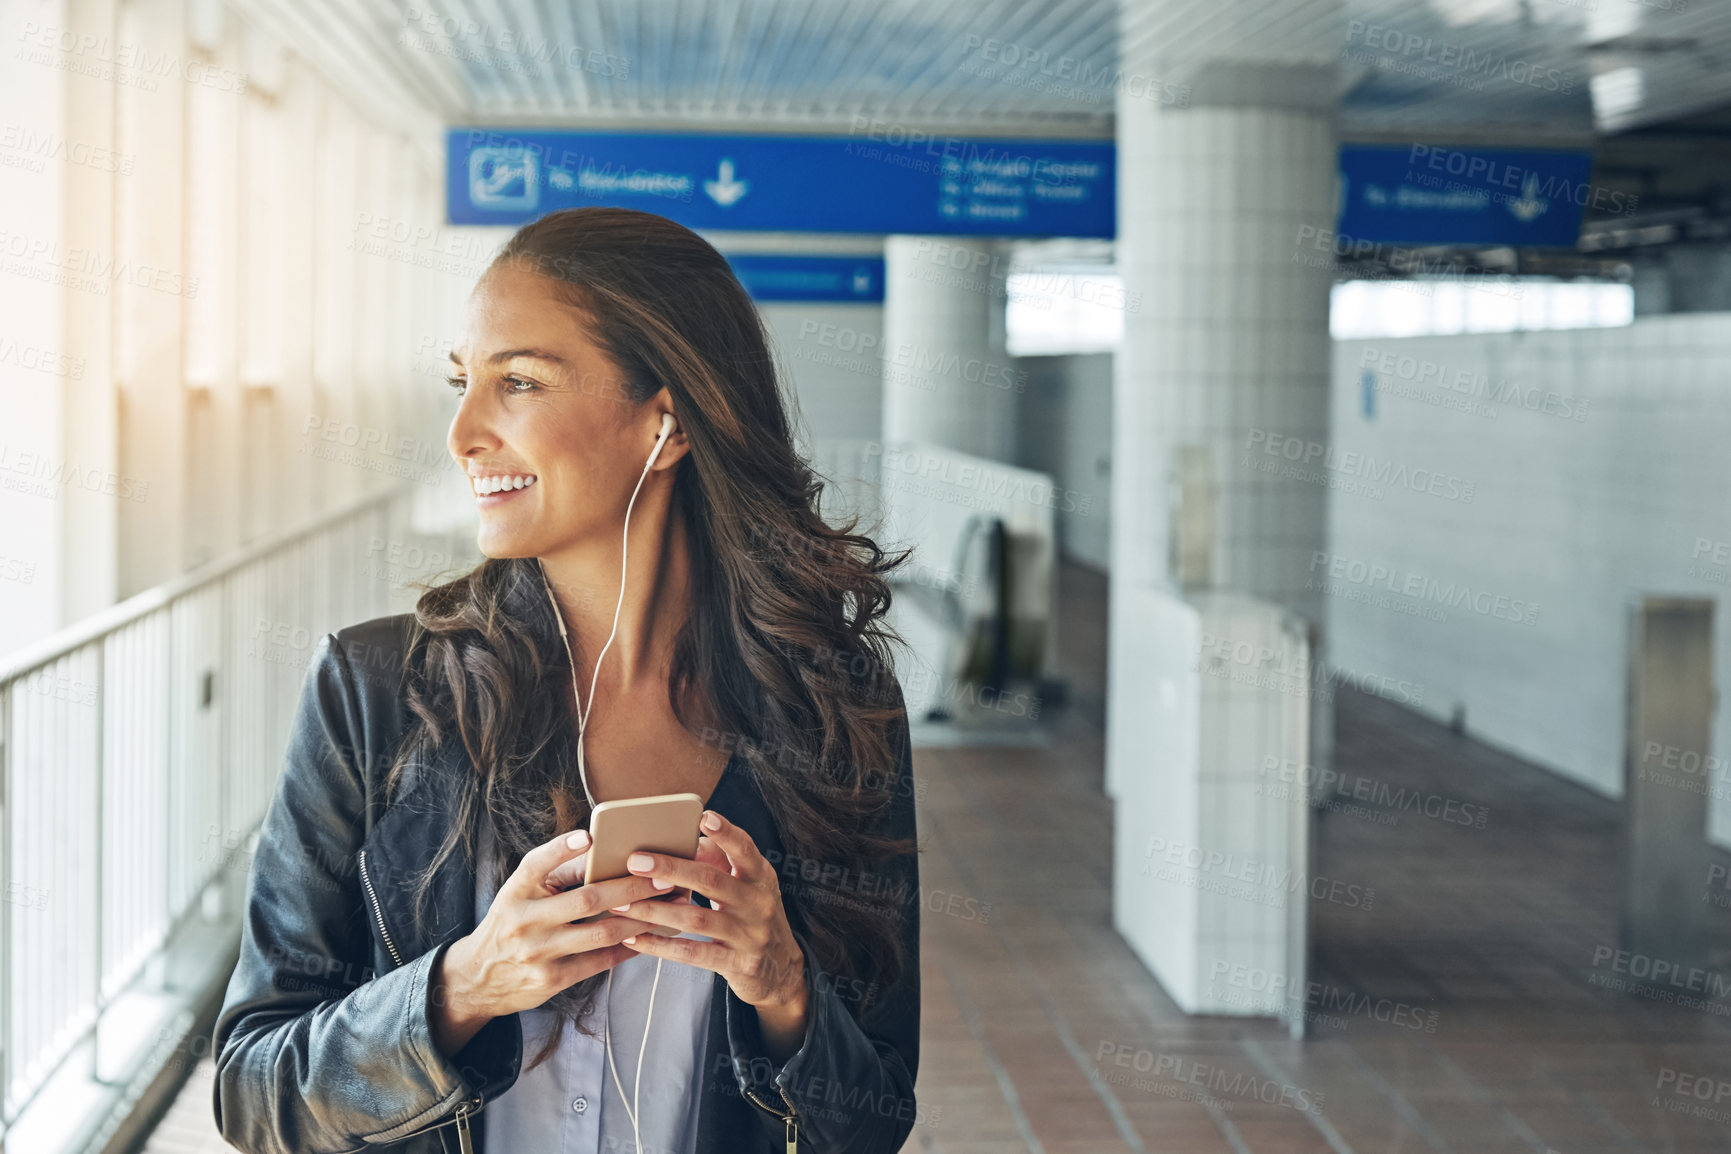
<point x="471" y="430"/>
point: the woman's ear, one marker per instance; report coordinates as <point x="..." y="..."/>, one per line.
<point x="676" y="444"/>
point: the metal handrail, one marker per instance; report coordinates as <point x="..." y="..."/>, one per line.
<point x="30" y="657"/>
<point x="161" y="719"/>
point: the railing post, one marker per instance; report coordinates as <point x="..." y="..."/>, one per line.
<point x="7" y="1019"/>
<point x="101" y="787"/>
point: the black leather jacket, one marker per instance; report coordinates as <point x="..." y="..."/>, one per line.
<point x="323" y="1044"/>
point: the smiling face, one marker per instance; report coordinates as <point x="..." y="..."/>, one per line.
<point x="543" y="412"/>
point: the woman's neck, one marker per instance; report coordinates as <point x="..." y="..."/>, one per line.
<point x="585" y="582"/>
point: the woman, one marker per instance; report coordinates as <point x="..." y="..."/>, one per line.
<point x="412" y="975"/>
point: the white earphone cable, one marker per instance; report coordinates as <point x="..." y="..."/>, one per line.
<point x="631" y="1108"/>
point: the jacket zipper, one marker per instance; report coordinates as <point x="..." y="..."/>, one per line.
<point x="463" y="1108"/>
<point x="463" y="1129"/>
<point x="378" y="913"/>
<point x="464" y="1141"/>
<point x="791" y="1118"/>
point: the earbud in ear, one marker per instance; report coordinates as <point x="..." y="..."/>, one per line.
<point x="668" y="425"/>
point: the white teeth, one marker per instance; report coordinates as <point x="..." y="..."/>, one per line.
<point x="485" y="485"/>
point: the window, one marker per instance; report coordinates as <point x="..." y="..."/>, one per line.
<point x="1436" y="307"/>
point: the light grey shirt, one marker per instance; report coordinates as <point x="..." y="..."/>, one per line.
<point x="569" y="1104"/>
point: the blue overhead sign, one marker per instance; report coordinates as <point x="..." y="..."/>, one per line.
<point x="810" y="278"/>
<point x="1432" y="194"/>
<point x="876" y="181"/>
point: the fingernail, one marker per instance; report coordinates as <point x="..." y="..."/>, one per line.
<point x="621" y="909"/>
<point x="578" y="840"/>
<point x="632" y="940"/>
<point x="711" y="821"/>
<point x="661" y="885"/>
<point x="639" y="861"/>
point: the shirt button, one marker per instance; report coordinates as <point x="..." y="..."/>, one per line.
<point x="580" y="1104"/>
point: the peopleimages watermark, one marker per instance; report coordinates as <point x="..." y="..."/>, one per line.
<point x="1324" y="1004"/>
<point x="863" y="351"/>
<point x="1404" y="260"/>
<point x="1660" y="980"/>
<point x="1717" y="554"/>
<point x="1350" y="471"/>
<point x="1678" y="1092"/>
<point x="1290" y="670"/>
<point x="1427" y="57"/>
<point x="1296" y="778"/>
<point x="85" y="269"/>
<point x="502" y="49"/>
<point x="443" y="250"/>
<point x="1231" y="875"/>
<point x="1329" y="570"/>
<point x="949" y="479"/>
<point x="1064" y="76"/>
<point x="126" y="64"/>
<point x="403" y="562"/>
<point x="1175" y="1076"/>
<point x="1686" y="770"/>
<point x="1513" y="184"/>
<point x="964" y="157"/>
<point x="377" y="450"/>
<point x="1718" y="877"/>
<point x="25" y="148"/>
<point x="16" y="569"/>
<point x="37" y="474"/>
<point x="1429" y="374"/>
<point x="38" y="359"/>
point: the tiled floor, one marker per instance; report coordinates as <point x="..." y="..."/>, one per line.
<point x="1458" y="1015"/>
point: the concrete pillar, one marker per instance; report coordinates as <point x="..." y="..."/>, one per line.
<point x="947" y="378"/>
<point x="1226" y="161"/>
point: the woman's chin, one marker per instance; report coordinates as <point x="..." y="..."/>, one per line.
<point x="498" y="542"/>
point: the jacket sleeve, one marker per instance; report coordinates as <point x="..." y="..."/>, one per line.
<point x="315" y="1054"/>
<point x="851" y="1082"/>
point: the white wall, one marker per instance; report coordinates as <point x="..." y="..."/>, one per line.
<point x="819" y="347"/>
<point x="192" y="295"/>
<point x="1597" y="468"/>
<point x="1065" y="422"/>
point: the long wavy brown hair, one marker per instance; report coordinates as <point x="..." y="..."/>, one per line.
<point x="786" y="644"/>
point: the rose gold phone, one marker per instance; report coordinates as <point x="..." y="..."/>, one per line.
<point x="663" y="824"/>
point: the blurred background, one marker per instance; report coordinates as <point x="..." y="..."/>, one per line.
<point x="1309" y="416"/>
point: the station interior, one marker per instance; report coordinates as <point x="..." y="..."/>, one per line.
<point x="1301" y="414"/>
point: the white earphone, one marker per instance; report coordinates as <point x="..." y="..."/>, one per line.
<point x="668" y="425"/>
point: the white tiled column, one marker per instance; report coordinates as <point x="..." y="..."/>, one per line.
<point x="1230" y="347"/>
<point x="1226" y="158"/>
<point x="947" y="378"/>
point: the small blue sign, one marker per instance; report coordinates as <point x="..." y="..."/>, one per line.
<point x="1431" y="194"/>
<point x="878" y="181"/>
<point x="811" y="278"/>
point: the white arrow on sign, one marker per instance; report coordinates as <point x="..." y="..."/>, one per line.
<point x="724" y="190"/>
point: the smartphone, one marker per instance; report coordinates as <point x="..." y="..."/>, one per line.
<point x="664" y="824"/>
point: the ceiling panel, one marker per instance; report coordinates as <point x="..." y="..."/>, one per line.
<point x="1522" y="69"/>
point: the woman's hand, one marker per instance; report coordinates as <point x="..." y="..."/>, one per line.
<point x="751" y="944"/>
<point x="526" y="949"/>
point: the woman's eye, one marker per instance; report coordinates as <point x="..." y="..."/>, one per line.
<point x="456" y="383"/>
<point x="515" y="381"/>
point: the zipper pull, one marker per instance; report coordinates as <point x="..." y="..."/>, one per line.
<point x="792" y="1135"/>
<point x="463" y="1138"/>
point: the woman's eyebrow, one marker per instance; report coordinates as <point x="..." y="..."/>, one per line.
<point x="537" y="354"/>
